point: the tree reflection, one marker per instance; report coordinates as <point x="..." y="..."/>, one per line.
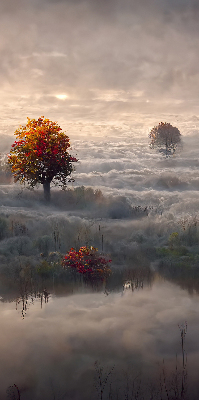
<point x="30" y="285"/>
<point x="13" y="393"/>
<point x="186" y="276"/>
<point x="123" y="279"/>
<point x="26" y="299"/>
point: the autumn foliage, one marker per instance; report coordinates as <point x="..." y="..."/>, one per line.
<point x="87" y="261"/>
<point x="40" y="154"/>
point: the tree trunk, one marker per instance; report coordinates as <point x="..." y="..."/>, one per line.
<point x="46" y="186"/>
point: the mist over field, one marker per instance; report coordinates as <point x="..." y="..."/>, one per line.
<point x="127" y="200"/>
<point x="107" y="71"/>
<point x="132" y="195"/>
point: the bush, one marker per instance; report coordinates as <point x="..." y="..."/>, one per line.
<point x="88" y="262"/>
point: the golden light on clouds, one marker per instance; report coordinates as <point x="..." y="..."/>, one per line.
<point x="61" y="96"/>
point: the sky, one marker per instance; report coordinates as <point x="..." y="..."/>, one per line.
<point x="90" y="61"/>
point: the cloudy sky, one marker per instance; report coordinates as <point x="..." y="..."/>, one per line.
<point x="91" y="60"/>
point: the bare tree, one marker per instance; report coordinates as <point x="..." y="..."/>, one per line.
<point x="165" y="137"/>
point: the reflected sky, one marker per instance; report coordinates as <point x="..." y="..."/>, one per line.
<point x="55" y="348"/>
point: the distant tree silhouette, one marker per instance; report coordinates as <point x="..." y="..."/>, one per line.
<point x="165" y="137"/>
<point x="40" y="155"/>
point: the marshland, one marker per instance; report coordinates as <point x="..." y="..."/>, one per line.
<point x="99" y="283"/>
<point x="64" y="335"/>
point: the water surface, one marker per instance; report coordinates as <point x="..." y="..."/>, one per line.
<point x="53" y="350"/>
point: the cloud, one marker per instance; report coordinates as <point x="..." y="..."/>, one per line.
<point x="113" y="50"/>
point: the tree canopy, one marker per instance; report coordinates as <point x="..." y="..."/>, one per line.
<point x="40" y="155"/>
<point x="165" y="137"/>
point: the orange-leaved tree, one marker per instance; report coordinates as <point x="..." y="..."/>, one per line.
<point x="40" y="155"/>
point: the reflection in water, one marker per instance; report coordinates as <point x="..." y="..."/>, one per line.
<point x="28" y="288"/>
<point x="26" y="299"/>
<point x="133" y="285"/>
<point x="13" y="393"/>
<point x="186" y="276"/>
<point x="183" y="332"/>
<point x="101" y="342"/>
